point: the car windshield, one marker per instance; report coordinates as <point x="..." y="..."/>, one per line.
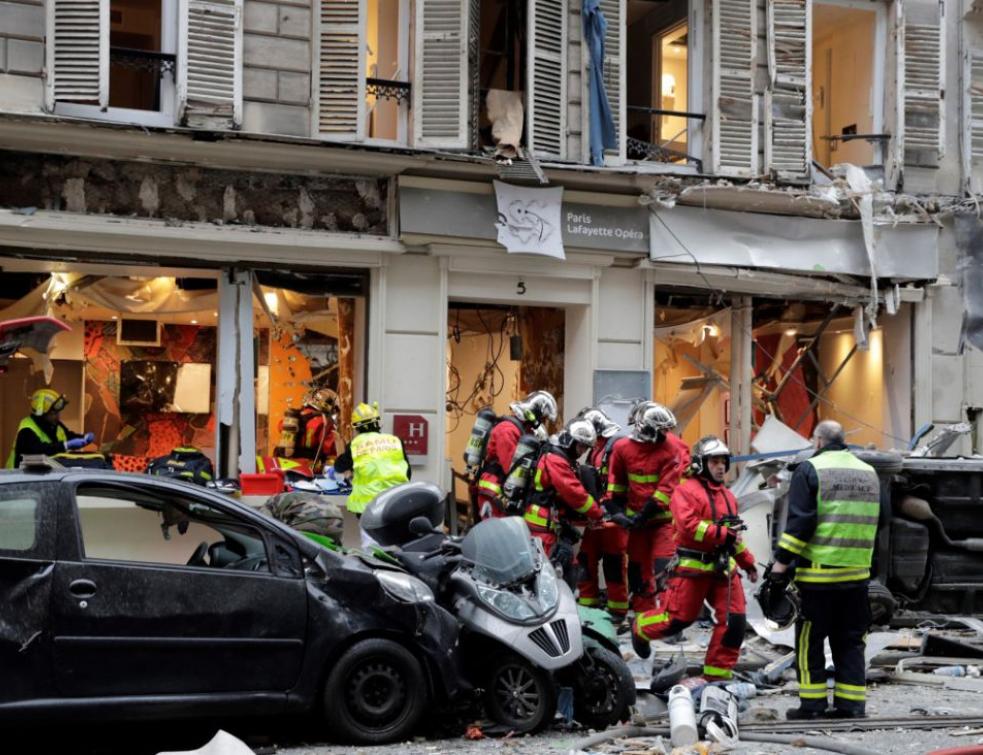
<point x="501" y="551"/>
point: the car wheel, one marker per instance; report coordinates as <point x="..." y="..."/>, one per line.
<point x="883" y="462"/>
<point x="374" y="693"/>
<point x="519" y="695"/>
<point x="604" y="689"/>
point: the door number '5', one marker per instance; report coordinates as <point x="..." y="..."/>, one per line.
<point x="520" y="288"/>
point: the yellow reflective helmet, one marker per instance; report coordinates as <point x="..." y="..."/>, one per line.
<point x="364" y="414"/>
<point x="45" y="400"/>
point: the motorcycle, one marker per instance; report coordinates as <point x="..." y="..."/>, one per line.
<point x="521" y="636"/>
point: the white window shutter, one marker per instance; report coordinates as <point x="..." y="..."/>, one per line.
<point x="441" y="103"/>
<point x="341" y="69"/>
<point x="924" y="84"/>
<point x="77" y="52"/>
<point x="546" y="78"/>
<point x="734" y="117"/>
<point x="788" y="99"/>
<point x="209" y="83"/>
<point x="614" y="66"/>
<point x="973" y="120"/>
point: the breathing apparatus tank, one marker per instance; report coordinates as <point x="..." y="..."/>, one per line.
<point x="288" y="433"/>
<point x="474" y="452"/>
<point x="523" y="468"/>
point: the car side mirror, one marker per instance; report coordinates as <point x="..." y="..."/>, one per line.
<point x="420" y="526"/>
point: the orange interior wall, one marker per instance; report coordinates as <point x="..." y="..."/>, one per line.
<point x="290" y="374"/>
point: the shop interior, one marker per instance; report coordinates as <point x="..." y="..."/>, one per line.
<point x="496" y="355"/>
<point x="139" y="363"/>
<point x="806" y="363"/>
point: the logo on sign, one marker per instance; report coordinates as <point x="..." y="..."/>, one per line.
<point x="414" y="431"/>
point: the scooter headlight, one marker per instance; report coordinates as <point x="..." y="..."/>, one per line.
<point x="404" y="587"/>
<point x="547" y="592"/>
<point x="505" y="602"/>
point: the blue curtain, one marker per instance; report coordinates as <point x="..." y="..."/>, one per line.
<point x="602" y="134"/>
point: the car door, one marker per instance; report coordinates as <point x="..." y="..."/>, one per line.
<point x="27" y="543"/>
<point x="131" y="616"/>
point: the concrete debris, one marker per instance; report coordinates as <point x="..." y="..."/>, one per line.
<point x="222" y="743"/>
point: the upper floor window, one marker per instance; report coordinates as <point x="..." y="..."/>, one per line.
<point x="152" y="62"/>
<point x="362" y="65"/>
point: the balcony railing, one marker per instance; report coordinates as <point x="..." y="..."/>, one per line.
<point x="646" y="140"/>
<point x="388" y="89"/>
<point x="143" y="60"/>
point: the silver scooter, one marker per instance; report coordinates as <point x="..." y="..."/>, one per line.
<point x="521" y="635"/>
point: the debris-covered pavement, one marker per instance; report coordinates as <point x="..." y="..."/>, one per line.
<point x="917" y="703"/>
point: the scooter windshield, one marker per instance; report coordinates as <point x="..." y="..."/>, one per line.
<point x="501" y="551"/>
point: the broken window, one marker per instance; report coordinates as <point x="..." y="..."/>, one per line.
<point x="847" y="83"/>
<point x="143" y="61"/>
<point x="387" y="90"/>
<point x="489" y="70"/>
<point x="659" y="123"/>
<point x="363" y="89"/>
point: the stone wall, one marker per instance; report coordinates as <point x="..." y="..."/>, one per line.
<point x="180" y="193"/>
<point x="276" y="77"/>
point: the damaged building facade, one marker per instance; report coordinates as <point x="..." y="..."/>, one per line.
<point x="755" y="208"/>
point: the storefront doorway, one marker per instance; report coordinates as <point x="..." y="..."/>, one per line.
<point x="495" y="355"/>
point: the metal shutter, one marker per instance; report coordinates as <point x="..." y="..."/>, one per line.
<point x="735" y="112"/>
<point x="210" y="63"/>
<point x="77" y="53"/>
<point x="341" y="69"/>
<point x="788" y="100"/>
<point x="546" y="86"/>
<point x="441" y="103"/>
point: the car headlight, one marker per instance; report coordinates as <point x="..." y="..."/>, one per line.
<point x="404" y="587"/>
<point x="547" y="592"/>
<point x="505" y="602"/>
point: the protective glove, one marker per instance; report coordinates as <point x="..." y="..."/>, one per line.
<point x="622" y="520"/>
<point x="730" y="537"/>
<point x="778" y="579"/>
<point x="75" y="444"/>
<point x="89" y="438"/>
<point x="752" y="574"/>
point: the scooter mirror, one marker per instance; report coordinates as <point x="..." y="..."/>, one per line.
<point x="420" y="526"/>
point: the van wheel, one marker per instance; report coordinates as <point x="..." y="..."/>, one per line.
<point x="519" y="695"/>
<point x="882" y="603"/>
<point x="374" y="694"/>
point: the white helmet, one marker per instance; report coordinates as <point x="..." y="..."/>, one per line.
<point x="536" y="408"/>
<point x="651" y="419"/>
<point x="706" y="448"/>
<point x="577" y="431"/>
<point x="603" y="425"/>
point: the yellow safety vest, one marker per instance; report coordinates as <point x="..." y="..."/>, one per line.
<point x="378" y="464"/>
<point x="28" y="423"/>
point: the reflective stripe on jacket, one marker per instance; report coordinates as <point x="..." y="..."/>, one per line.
<point x="693" y="515"/>
<point x="641" y="472"/>
<point x="28" y="423"/>
<point x="841" y="547"/>
<point x="378" y="463"/>
<point x="556" y="477"/>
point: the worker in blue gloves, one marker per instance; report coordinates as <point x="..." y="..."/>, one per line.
<point x="42" y="432"/>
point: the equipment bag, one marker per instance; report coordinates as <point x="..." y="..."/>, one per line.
<point x="184" y="463"/>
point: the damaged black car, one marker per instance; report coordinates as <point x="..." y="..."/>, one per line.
<point x="128" y="596"/>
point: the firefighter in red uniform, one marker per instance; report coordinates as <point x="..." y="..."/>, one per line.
<point x="708" y="548"/>
<point x="604" y="544"/>
<point x="642" y="473"/>
<point x="558" y="495"/>
<point x="528" y="416"/>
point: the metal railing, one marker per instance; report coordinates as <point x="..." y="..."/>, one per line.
<point x="388" y="89"/>
<point x="143" y="60"/>
<point x="648" y="142"/>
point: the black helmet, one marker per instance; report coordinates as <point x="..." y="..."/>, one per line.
<point x="779" y="603"/>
